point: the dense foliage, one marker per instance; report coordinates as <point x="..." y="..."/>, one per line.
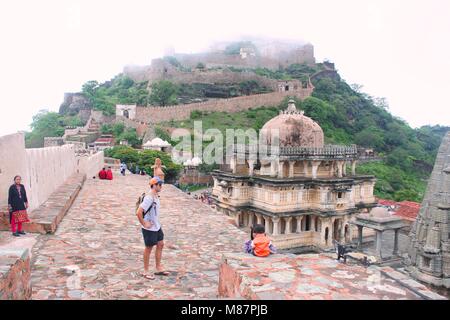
<point x="120" y="90"/>
<point x="145" y="159"/>
<point x="120" y="133"/>
<point x="350" y="117"/>
<point x="48" y="124"/>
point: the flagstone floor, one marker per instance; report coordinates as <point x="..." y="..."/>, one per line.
<point x="96" y="253"/>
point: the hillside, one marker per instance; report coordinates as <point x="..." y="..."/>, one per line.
<point x="348" y="117"/>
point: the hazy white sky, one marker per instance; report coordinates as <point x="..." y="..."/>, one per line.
<point x="396" y="49"/>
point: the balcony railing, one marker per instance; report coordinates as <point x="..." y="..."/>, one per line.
<point x="326" y="151"/>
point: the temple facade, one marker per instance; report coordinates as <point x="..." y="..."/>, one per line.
<point x="304" y="192"/>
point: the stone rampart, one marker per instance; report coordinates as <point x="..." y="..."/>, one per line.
<point x="42" y="170"/>
<point x="183" y="112"/>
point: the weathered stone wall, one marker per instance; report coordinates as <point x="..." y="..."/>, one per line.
<point x="42" y="170"/>
<point x="15" y="274"/>
<point x="182" y="112"/>
<point x="90" y="165"/>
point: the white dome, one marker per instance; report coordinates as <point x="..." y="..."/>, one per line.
<point x="157" y="142"/>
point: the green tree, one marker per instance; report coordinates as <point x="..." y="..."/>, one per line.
<point x="163" y="93"/>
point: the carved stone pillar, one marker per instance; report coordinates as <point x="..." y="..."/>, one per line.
<point x="237" y="217"/>
<point x="276" y="225"/>
<point x="288" y="229"/>
<point x="259" y="219"/>
<point x="344" y="168"/>
<point x="354" y="167"/>
<point x="291" y="169"/>
<point x="395" y="252"/>
<point x="233" y="164"/>
<point x="339" y="167"/>
<point x="267" y="225"/>
<point x="251" y="165"/>
<point x="250" y="219"/>
<point x="273" y="168"/>
<point x="378" y="243"/>
<point x="315" y="166"/>
<point x="360" y="237"/>
<point x="299" y="224"/>
<point x="280" y="169"/>
<point x="313" y="223"/>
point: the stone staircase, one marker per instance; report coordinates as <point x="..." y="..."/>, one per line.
<point x="46" y="218"/>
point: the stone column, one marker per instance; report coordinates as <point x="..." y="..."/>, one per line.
<point x="344" y="168"/>
<point x="395" y="252"/>
<point x="339" y="167"/>
<point x="313" y="223"/>
<point x="273" y="168"/>
<point x="360" y="237"/>
<point x="250" y="219"/>
<point x="378" y="243"/>
<point x="288" y="229"/>
<point x="280" y="169"/>
<point x="305" y="167"/>
<point x="259" y="219"/>
<point x="315" y="166"/>
<point x="354" y="167"/>
<point x="342" y="235"/>
<point x="233" y="164"/>
<point x="267" y="225"/>
<point x="236" y="219"/>
<point x="251" y="164"/>
<point x="291" y="169"/>
<point x="299" y="224"/>
<point x="276" y="225"/>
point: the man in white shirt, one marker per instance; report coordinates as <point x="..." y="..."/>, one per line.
<point x="148" y="215"/>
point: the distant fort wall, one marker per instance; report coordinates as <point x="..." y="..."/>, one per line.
<point x="183" y="112"/>
<point x="42" y="170"/>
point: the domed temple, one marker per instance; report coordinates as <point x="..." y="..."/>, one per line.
<point x="294" y="184"/>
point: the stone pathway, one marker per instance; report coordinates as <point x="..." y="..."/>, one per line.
<point x="96" y="253"/>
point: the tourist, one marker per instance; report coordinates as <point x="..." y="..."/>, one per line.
<point x="17" y="206"/>
<point x="148" y="215"/>
<point x="123" y="168"/>
<point x="259" y="244"/>
<point x="102" y="174"/>
<point x="109" y="174"/>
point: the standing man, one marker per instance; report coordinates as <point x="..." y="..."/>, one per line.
<point x="148" y="215"/>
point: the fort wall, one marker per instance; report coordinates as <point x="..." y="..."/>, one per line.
<point x="183" y="112"/>
<point x="42" y="170"/>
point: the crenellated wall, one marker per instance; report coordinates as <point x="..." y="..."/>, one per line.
<point x="182" y="112"/>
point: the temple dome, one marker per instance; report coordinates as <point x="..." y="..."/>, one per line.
<point x="295" y="129"/>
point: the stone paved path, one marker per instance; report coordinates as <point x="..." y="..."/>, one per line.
<point x="96" y="252"/>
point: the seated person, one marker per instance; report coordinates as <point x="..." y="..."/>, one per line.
<point x="109" y="174"/>
<point x="259" y="244"/>
<point x="102" y="174"/>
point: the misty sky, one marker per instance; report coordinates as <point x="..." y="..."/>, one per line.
<point x="396" y="49"/>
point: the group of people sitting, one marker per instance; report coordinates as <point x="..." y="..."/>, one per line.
<point x="105" y="174"/>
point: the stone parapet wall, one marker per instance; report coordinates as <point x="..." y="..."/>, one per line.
<point x="183" y="112"/>
<point x="43" y="170"/>
<point x="90" y="165"/>
<point x="15" y="274"/>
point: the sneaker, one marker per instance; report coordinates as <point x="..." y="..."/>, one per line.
<point x="16" y="234"/>
<point x="21" y="232"/>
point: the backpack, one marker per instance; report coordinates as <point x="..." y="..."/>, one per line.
<point x="140" y="200"/>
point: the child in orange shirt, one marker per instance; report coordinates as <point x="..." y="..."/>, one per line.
<point x="259" y="245"/>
